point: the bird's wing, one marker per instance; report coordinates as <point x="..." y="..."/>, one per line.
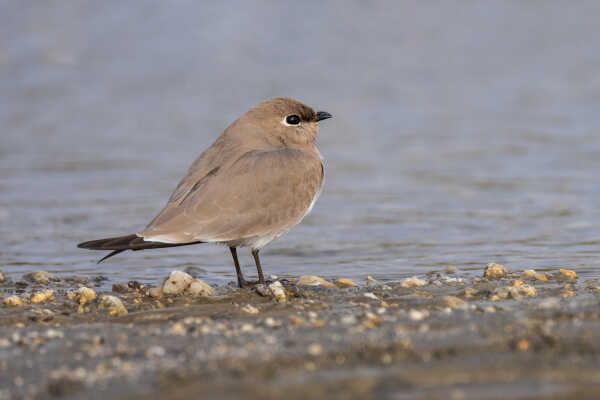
<point x="259" y="193"/>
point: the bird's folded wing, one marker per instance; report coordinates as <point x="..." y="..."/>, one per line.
<point x="259" y="193"/>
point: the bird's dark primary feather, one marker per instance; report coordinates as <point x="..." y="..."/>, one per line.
<point x="128" y="242"/>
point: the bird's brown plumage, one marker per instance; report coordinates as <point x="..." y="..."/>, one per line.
<point x="254" y="183"/>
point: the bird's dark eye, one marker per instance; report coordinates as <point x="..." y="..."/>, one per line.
<point x="292" y="119"/>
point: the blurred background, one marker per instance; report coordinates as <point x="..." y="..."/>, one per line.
<point x="464" y="132"/>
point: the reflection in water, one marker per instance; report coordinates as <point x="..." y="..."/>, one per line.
<point x="461" y="136"/>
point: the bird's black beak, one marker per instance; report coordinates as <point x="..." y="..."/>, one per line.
<point x="321" y="115"/>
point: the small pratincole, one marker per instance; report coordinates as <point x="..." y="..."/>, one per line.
<point x="252" y="185"/>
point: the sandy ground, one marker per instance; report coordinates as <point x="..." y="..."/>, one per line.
<point x="445" y="335"/>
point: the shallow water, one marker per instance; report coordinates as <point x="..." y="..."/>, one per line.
<point x="463" y="134"/>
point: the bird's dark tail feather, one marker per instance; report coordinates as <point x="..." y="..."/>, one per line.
<point x="129" y="242"/>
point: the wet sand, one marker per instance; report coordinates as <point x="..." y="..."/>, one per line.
<point x="441" y="335"/>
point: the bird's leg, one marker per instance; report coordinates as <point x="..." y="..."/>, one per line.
<point x="238" y="270"/>
<point x="261" y="278"/>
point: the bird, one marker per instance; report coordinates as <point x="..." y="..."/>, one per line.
<point x="259" y="179"/>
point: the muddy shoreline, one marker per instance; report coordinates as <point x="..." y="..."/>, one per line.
<point x="441" y="335"/>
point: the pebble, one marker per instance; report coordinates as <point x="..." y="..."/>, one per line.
<point x="453" y="301"/>
<point x="567" y="273"/>
<point x="315" y="349"/>
<point x="120" y="287"/>
<point x="200" y="288"/>
<point x="41" y="277"/>
<point x="177" y="282"/>
<point x="371" y="282"/>
<point x="178" y="329"/>
<point x="450" y="269"/>
<point x="412" y="282"/>
<point x="567" y="291"/>
<point x="276" y="289"/>
<point x="250" y="309"/>
<point x="418" y="315"/>
<point x="155" y="352"/>
<point x="272" y="323"/>
<point x="506" y="292"/>
<point x="495" y="271"/>
<point x="370" y="295"/>
<point x="83" y="295"/>
<point x="156" y="292"/>
<point x="528" y="290"/>
<point x="533" y="274"/>
<point x="470" y="292"/>
<point x="113" y="304"/>
<point x="345" y="283"/>
<point x="312" y="280"/>
<point x="1" y="277"/>
<point x="13" y="301"/>
<point x="523" y="345"/>
<point x="43" y="295"/>
<point x="54" y="334"/>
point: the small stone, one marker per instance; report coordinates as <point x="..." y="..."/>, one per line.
<point x="453" y="301"/>
<point x="470" y="292"/>
<point x="262" y="290"/>
<point x="345" y="283"/>
<point x="155" y="292"/>
<point x="135" y="285"/>
<point x="1" y="277"/>
<point x="506" y="292"/>
<point x="417" y="315"/>
<point x="450" y="269"/>
<point x="523" y="345"/>
<point x="120" y="287"/>
<point x="370" y="295"/>
<point x="528" y="274"/>
<point x="13" y="301"/>
<point x="155" y="352"/>
<point x="495" y="271"/>
<point x="567" y="274"/>
<point x="178" y="329"/>
<point x="54" y="334"/>
<point x="315" y="349"/>
<point x="83" y="295"/>
<point x="43" y="295"/>
<point x="250" y="309"/>
<point x="113" y="304"/>
<point x="312" y="280"/>
<point x="272" y="322"/>
<point x="177" y="282"/>
<point x="412" y="282"/>
<point x="566" y="293"/>
<point x="518" y="283"/>
<point x="372" y="282"/>
<point x="348" y="320"/>
<point x="295" y="320"/>
<point x="276" y="289"/>
<point x="533" y="274"/>
<point x="527" y="290"/>
<point x="200" y="288"/>
<point x="41" y="277"/>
